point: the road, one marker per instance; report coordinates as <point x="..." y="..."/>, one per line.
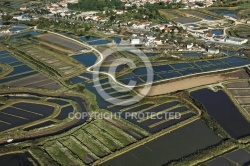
<point x="101" y="58"/>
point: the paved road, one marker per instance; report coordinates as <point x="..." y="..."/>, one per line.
<point x="101" y="58"/>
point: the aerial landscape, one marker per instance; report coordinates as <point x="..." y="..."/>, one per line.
<point x="124" y="83"/>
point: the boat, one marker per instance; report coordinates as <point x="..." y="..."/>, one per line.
<point x="9" y="140"/>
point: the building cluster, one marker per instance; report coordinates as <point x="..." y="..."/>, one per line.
<point x="95" y="18"/>
<point x="188" y="3"/>
<point x="147" y="34"/>
<point x="60" y="8"/>
<point x="9" y="30"/>
<point x="222" y="38"/>
<point x="25" y="17"/>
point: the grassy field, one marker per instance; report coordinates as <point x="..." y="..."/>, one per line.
<point x="89" y="143"/>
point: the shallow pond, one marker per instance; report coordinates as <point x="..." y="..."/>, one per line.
<point x="224" y="12"/>
<point x="116" y="39"/>
<point x="17" y="29"/>
<point x="217" y="31"/>
<point x="87" y="59"/>
<point x="192" y="54"/>
<point x="89" y="38"/>
<point x="99" y="42"/>
<point x="31" y="33"/>
<point x="220" y="107"/>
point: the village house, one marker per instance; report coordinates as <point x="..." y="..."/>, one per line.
<point x="23" y="8"/>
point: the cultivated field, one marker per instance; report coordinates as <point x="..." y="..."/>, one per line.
<point x="21" y="75"/>
<point x="64" y="65"/>
<point x="58" y="40"/>
<point x="35" y="81"/>
<point x="169" y="147"/>
<point x="179" y="17"/>
<point x="87" y="144"/>
<point x="201" y="15"/>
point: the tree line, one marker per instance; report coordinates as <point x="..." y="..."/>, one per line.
<point x="96" y="5"/>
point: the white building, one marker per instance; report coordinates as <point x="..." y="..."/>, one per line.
<point x="139" y="26"/>
<point x="213" y="51"/>
<point x="22" y="17"/>
<point x="71" y="1"/>
<point x="23" y="8"/>
<point x="219" y="38"/>
<point x="135" y="41"/>
<point x="150" y="38"/>
<point x="235" y="40"/>
<point x="189" y="46"/>
<point x="5" y="31"/>
<point x="158" y="41"/>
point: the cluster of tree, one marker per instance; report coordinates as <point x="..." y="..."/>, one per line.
<point x="79" y="88"/>
<point x="64" y="25"/>
<point x="7" y="17"/>
<point x="201" y="4"/>
<point x="86" y="5"/>
<point x="163" y="5"/>
<point x="151" y="11"/>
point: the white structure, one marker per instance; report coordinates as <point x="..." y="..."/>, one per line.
<point x="139" y="26"/>
<point x="158" y="41"/>
<point x="135" y="41"/>
<point x="22" y="18"/>
<point x="213" y="51"/>
<point x="235" y="40"/>
<point x="219" y="38"/>
<point x="71" y="1"/>
<point x="5" y="31"/>
<point x="150" y="38"/>
<point x="189" y="46"/>
<point x="23" y="8"/>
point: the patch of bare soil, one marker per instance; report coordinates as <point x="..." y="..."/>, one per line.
<point x="188" y="83"/>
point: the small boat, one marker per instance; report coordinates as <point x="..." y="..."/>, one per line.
<point x="9" y="140"/>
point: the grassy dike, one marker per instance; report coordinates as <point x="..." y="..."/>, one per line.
<point x="38" y="146"/>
